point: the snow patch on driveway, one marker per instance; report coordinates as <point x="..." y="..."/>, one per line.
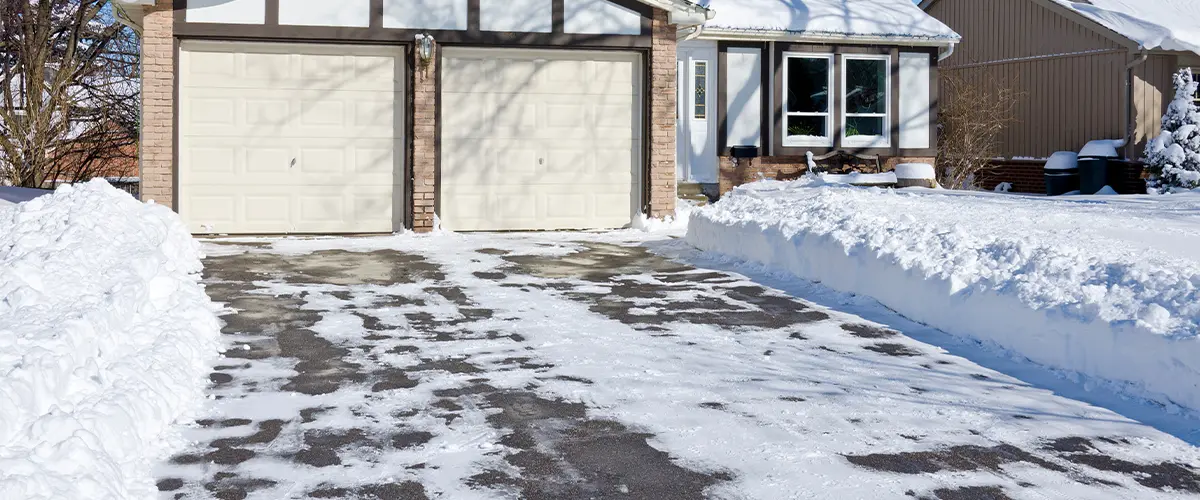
<point x="1099" y="286"/>
<point x="105" y="339"/>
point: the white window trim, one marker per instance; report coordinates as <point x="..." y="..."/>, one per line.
<point x="870" y="141"/>
<point x="707" y="82"/>
<point x="827" y="141"/>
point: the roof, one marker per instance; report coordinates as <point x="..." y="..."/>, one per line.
<point x="1152" y="24"/>
<point x="895" y="20"/>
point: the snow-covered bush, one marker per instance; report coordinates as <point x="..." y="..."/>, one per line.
<point x="106" y="336"/>
<point x="1174" y="156"/>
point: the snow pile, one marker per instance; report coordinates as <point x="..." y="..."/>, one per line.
<point x="678" y="222"/>
<point x="857" y="178"/>
<point x="1106" y="287"/>
<point x="105" y="341"/>
<point x="1153" y="24"/>
<point x="870" y="18"/>
<point x="915" y="171"/>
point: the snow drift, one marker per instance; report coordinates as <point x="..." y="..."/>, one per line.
<point x="1101" y="286"/>
<point x="105" y="340"/>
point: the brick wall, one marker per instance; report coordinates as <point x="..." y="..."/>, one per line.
<point x="158" y="110"/>
<point x="423" y="156"/>
<point x="786" y="168"/>
<point x="1029" y="177"/>
<point x="662" y="117"/>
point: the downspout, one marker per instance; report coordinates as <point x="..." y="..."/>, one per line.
<point x="691" y="33"/>
<point x="1130" y="122"/>
<point x="945" y="54"/>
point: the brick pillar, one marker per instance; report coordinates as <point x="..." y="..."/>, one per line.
<point x="158" y="104"/>
<point x="662" y="117"/>
<point x="424" y="153"/>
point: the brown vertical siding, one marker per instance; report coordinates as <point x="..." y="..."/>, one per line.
<point x="1071" y="76"/>
<point x="1154" y="87"/>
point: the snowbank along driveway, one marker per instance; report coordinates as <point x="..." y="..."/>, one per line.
<point x="586" y="366"/>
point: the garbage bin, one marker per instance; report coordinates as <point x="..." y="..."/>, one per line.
<point x="1093" y="174"/>
<point x="1094" y="164"/>
<point x="1062" y="173"/>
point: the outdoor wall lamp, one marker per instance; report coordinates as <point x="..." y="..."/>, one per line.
<point x="425" y="48"/>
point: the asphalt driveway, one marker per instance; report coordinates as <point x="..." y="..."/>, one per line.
<point x="587" y="366"/>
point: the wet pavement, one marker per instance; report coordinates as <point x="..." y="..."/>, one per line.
<point x="389" y="374"/>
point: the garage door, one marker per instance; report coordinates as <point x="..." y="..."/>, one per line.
<point x="539" y="139"/>
<point x="287" y="138"/>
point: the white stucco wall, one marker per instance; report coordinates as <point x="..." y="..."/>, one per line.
<point x="530" y="16"/>
<point x="914" y="100"/>
<point x="600" y="17"/>
<point x="227" y="11"/>
<point x="743" y="101"/>
<point x="325" y="13"/>
<point x="425" y="14"/>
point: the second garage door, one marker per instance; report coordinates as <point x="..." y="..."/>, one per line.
<point x="539" y="139"/>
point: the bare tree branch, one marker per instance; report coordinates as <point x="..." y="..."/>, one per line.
<point x="69" y="92"/>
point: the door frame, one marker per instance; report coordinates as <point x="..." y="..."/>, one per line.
<point x="687" y="55"/>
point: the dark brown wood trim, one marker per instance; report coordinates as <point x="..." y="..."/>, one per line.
<point x="328" y="34"/>
<point x="410" y="106"/>
<point x="180" y="14"/>
<point x="473" y="16"/>
<point x="271" y="15"/>
<point x="376" y="14"/>
<point x="764" y="93"/>
<point x="558" y="16"/>
<point x="894" y="102"/>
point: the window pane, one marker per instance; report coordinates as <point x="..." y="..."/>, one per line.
<point x="866" y="86"/>
<point x="808" y="85"/>
<point x="807" y="126"/>
<point x="858" y="126"/>
<point x="701" y="93"/>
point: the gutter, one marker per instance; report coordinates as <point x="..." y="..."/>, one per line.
<point x="718" y="33"/>
<point x="1130" y="121"/>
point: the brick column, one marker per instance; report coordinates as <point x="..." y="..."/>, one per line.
<point x="158" y="104"/>
<point x="662" y="117"/>
<point x="424" y="141"/>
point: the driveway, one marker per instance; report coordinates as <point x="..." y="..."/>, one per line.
<point x="573" y="366"/>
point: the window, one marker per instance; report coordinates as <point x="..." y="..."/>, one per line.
<point x="700" y="81"/>
<point x="866" y="86"/>
<point x="807" y="81"/>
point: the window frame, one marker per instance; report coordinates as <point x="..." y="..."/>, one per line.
<point x="796" y="141"/>
<point x="695" y="98"/>
<point x="870" y="141"/>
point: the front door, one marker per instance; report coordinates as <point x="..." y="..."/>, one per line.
<point x="696" y="126"/>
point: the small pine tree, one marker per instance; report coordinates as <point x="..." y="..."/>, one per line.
<point x="1174" y="156"/>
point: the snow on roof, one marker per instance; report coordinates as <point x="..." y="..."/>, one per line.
<point x="1153" y="24"/>
<point x="838" y="18"/>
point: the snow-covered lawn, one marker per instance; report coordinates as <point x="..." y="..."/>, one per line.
<point x="105" y="341"/>
<point x="1103" y="287"/>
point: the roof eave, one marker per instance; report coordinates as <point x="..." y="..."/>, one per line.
<point x="682" y="12"/>
<point x="717" y="33"/>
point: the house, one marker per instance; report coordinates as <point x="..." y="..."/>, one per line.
<point x="361" y="116"/>
<point x="1095" y="69"/>
<point x="794" y="77"/>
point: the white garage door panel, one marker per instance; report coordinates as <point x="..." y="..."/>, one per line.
<point x="539" y="139"/>
<point x="281" y="138"/>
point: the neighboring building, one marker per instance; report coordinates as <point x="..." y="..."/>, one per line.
<point x="799" y="76"/>
<point x="316" y="116"/>
<point x="1096" y="69"/>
